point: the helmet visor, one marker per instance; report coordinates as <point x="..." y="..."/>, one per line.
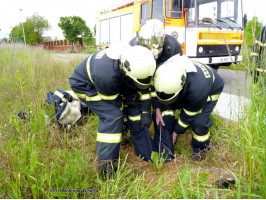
<point x="167" y="98"/>
<point x="145" y="80"/>
<point x="154" y="44"/>
<point x="142" y="83"/>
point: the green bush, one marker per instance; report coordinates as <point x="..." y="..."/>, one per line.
<point x="251" y="31"/>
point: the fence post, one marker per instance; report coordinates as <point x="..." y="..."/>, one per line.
<point x="81" y="42"/>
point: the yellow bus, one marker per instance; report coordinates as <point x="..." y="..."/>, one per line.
<point x="209" y="31"/>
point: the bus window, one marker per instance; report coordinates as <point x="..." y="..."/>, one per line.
<point x="157" y="10"/>
<point x="174" y="8"/>
<point x="145" y="12"/>
<point x="227" y="9"/>
<point x="207" y="13"/>
<point x="191" y="17"/>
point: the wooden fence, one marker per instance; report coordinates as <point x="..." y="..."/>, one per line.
<point x="62" y="45"/>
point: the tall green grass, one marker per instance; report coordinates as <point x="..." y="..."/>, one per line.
<point x="36" y="157"/>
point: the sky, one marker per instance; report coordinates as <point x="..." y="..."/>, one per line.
<point x="52" y="10"/>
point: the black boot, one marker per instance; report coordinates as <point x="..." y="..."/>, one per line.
<point x="198" y="156"/>
<point x="106" y="168"/>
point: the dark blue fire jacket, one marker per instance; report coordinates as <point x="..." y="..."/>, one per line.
<point x="100" y="80"/>
<point x="200" y="87"/>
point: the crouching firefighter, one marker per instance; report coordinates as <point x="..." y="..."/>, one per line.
<point x="100" y="81"/>
<point x="163" y="46"/>
<point x="195" y="89"/>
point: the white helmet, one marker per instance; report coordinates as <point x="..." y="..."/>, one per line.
<point x="138" y="63"/>
<point x="152" y="36"/>
<point x="170" y="78"/>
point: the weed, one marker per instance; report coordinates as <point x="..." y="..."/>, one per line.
<point x="158" y="160"/>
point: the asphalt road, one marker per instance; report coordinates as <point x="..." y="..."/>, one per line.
<point x="235" y="82"/>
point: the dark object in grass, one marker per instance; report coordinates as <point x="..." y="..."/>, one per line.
<point x="198" y="156"/>
<point x="23" y="114"/>
<point x="224" y="183"/>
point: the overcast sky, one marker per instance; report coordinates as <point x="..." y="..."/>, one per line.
<point x="52" y="10"/>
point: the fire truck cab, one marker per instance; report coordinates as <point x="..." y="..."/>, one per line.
<point x="209" y="31"/>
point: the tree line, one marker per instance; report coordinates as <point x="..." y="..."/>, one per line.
<point x="74" y="27"/>
<point x="35" y="26"/>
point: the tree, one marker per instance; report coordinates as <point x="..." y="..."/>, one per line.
<point x="5" y="39"/>
<point x="89" y="38"/>
<point x="34" y="27"/>
<point x="251" y="31"/>
<point x="73" y="27"/>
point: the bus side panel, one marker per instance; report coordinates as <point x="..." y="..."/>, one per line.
<point x="176" y="32"/>
<point x="114" y="29"/>
<point x="98" y="32"/>
<point x="136" y="17"/>
<point x="191" y="41"/>
<point x="127" y="27"/>
<point x="104" y="33"/>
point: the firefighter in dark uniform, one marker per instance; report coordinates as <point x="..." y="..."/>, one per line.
<point x="163" y="46"/>
<point x="195" y="89"/>
<point x="258" y="54"/>
<point x="100" y="81"/>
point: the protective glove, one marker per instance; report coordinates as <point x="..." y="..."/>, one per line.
<point x="131" y="100"/>
<point x="145" y="119"/>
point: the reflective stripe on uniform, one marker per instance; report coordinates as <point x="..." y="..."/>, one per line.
<point x="93" y="98"/>
<point x="213" y="97"/>
<point x="134" y="118"/>
<point x="87" y="98"/>
<point x="104" y="97"/>
<point x="88" y="68"/>
<point x="145" y="97"/>
<point x="96" y="97"/>
<point x="82" y="96"/>
<point x="201" y="138"/>
<point x="168" y="112"/>
<point x="109" y="137"/>
<point x="182" y="124"/>
<point x="192" y="113"/>
<point x="153" y="94"/>
<point x="213" y="76"/>
<point x="59" y="94"/>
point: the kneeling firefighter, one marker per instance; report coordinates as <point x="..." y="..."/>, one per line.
<point x="195" y="89"/>
<point x="100" y="81"/>
<point x="163" y="46"/>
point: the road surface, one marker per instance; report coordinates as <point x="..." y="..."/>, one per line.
<point x="235" y="96"/>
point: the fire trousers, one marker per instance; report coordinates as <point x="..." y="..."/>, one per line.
<point x="163" y="134"/>
<point x="110" y="127"/>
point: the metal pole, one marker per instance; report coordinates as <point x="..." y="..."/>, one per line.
<point x="23" y="28"/>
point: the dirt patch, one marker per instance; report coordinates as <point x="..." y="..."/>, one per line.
<point x="181" y="168"/>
